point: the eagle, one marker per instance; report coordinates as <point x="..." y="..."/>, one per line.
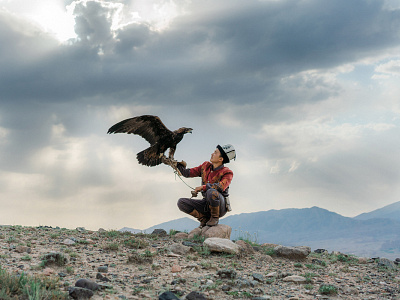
<point x="152" y="129"/>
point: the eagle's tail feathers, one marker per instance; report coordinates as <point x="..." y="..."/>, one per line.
<point x="149" y="157"/>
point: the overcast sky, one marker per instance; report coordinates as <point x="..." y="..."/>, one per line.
<point x="307" y="92"/>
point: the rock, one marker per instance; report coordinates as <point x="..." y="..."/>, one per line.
<point x="363" y="260"/>
<point x="245" y="247"/>
<point x="179" y="249"/>
<point x="159" y="232"/>
<point x="176" y="269"/>
<point x="242" y="283"/>
<point x="267" y="259"/>
<point x="101" y="230"/>
<point x="397" y="261"/>
<point x="87" y="284"/>
<point x="258" y="277"/>
<point x="227" y="274"/>
<point x="295" y="279"/>
<point x="222" y="245"/>
<point x="167" y="296"/>
<point x="194" y="232"/>
<point x="321" y="251"/>
<point x="68" y="242"/>
<point x="300" y="252"/>
<point x="79" y="293"/>
<point x="269" y="245"/>
<point x="181" y="235"/>
<point x="272" y="274"/>
<point x="48" y="271"/>
<point x="384" y="262"/>
<point x="22" y="249"/>
<point x="220" y="231"/>
<point x="102" y="269"/>
<point x="100" y="277"/>
<point x="195" y="296"/>
<point x="139" y="259"/>
<point x="349" y="290"/>
<point x="81" y="229"/>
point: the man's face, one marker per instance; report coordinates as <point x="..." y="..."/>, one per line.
<point x="216" y="157"/>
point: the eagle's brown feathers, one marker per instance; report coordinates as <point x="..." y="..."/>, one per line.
<point x="152" y="129"/>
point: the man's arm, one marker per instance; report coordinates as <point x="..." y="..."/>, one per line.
<point x="182" y="168"/>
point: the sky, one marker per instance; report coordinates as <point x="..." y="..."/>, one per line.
<point x="307" y="92"/>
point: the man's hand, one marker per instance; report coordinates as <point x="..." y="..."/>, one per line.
<point x="196" y="191"/>
<point x="182" y="163"/>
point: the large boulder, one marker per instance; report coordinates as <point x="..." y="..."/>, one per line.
<point x="300" y="252"/>
<point x="220" y="231"/>
<point x="222" y="245"/>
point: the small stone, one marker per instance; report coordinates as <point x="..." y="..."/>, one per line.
<point x="384" y="262"/>
<point x="300" y="252"/>
<point x="68" y="242"/>
<point x="245" y="247"/>
<point x="295" y="279"/>
<point x="180" y="249"/>
<point x="87" y="284"/>
<point x="228" y="274"/>
<point x="100" y="277"/>
<point x="79" y="293"/>
<point x="102" y="269"/>
<point x="321" y="251"/>
<point x="258" y="277"/>
<point x="139" y="259"/>
<point x="176" y="269"/>
<point x="48" y="271"/>
<point x="22" y="249"/>
<point x="363" y="260"/>
<point x="272" y="274"/>
<point x="181" y="235"/>
<point x="167" y="296"/>
<point x="222" y="245"/>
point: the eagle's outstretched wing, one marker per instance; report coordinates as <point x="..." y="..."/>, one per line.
<point x="151" y="128"/>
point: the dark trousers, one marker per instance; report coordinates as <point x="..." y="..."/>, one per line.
<point x="211" y="198"/>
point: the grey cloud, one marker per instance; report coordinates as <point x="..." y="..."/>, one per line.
<point x="220" y="54"/>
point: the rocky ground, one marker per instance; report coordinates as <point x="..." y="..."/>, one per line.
<point x="139" y="266"/>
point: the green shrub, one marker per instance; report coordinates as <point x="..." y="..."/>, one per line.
<point x="327" y="289"/>
<point x="28" y="287"/>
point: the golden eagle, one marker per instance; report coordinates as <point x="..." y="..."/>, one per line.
<point x="156" y="133"/>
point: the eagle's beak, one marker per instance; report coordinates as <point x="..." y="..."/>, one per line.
<point x="190" y="131"/>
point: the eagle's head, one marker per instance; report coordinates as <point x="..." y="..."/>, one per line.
<point x="184" y="130"/>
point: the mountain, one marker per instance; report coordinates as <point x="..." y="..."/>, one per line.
<point x="314" y="227"/>
<point x="131" y="230"/>
<point x="391" y="211"/>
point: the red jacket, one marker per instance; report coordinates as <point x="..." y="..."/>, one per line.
<point x="218" y="179"/>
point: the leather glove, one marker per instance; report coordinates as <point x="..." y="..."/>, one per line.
<point x="182" y="163"/>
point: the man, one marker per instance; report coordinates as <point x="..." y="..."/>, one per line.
<point x="215" y="181"/>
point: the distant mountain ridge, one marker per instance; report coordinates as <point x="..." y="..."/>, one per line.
<point x="315" y="227"/>
<point x="391" y="211"/>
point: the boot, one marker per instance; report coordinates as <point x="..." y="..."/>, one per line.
<point x="202" y="218"/>
<point x="214" y="210"/>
